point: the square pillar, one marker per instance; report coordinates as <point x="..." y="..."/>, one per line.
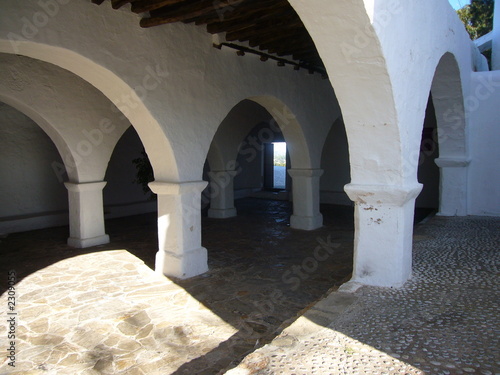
<point x="86" y="214"/>
<point x="305" y="192"/>
<point x="222" y="194"/>
<point x="453" y="186"/>
<point x="383" y="238"/>
<point x="180" y="253"/>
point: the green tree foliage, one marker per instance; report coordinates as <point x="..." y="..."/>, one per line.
<point x="144" y="174"/>
<point x="477" y="17"/>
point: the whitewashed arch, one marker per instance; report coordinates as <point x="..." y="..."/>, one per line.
<point x="355" y="62"/>
<point x="62" y="147"/>
<point x="448" y="99"/>
<point x="247" y="114"/>
<point x="152" y="136"/>
<point x="79" y="119"/>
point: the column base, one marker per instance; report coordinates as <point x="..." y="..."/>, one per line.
<point x="216" y="213"/>
<point x="88" y="242"/>
<point x="306" y="222"/>
<point x="189" y="264"/>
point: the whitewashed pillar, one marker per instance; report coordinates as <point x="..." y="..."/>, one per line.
<point x="86" y="214"/>
<point x="383" y="219"/>
<point x="222" y="194"/>
<point x="453" y="186"/>
<point x="180" y="253"/>
<point x="305" y="193"/>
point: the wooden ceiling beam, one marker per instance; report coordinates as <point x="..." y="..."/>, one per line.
<point x="117" y="4"/>
<point x="311" y="57"/>
<point x="187" y="11"/>
<point x="143" y="6"/>
<point x="273" y="38"/>
<point x="271" y="29"/>
<point x="184" y="11"/>
<point x="283" y="45"/>
<point x="254" y="8"/>
<point x="295" y="51"/>
<point x="261" y="21"/>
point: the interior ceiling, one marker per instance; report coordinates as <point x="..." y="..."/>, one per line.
<point x="270" y="27"/>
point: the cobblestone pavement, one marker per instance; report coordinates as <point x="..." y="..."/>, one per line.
<point x="445" y="320"/>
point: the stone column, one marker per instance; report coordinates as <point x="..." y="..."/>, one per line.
<point x="383" y="221"/>
<point x="305" y="193"/>
<point x="86" y="214"/>
<point x="453" y="186"/>
<point x="180" y="253"/>
<point x="222" y="194"/>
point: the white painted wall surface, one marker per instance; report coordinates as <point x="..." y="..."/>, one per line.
<point x="31" y="195"/>
<point x="335" y="164"/>
<point x="191" y="86"/>
<point x="484" y="169"/>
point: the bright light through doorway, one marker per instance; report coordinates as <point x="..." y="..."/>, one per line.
<point x="279" y="165"/>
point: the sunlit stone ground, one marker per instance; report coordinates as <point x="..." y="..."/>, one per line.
<point x="103" y="311"/>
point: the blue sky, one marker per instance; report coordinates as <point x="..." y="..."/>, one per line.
<point x="457" y="4"/>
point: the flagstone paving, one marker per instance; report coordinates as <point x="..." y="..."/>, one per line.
<point x="97" y="310"/>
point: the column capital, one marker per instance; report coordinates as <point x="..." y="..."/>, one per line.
<point x="456" y="162"/>
<point x="85" y="186"/>
<point x="177" y="188"/>
<point x="393" y="195"/>
<point x="305" y="172"/>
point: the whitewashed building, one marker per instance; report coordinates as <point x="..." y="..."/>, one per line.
<point x="83" y="88"/>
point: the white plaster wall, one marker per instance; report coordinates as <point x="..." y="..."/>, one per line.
<point x="197" y="84"/>
<point x="426" y="30"/>
<point x="81" y="122"/>
<point x="484" y="175"/>
<point x="335" y="164"/>
<point x="31" y="194"/>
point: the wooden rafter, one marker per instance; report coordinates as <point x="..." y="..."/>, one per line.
<point x="270" y="25"/>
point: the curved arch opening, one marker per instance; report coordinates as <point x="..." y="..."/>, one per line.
<point x="448" y="100"/>
<point x="154" y="139"/>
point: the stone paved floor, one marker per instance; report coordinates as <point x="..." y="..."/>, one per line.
<point x="91" y="311"/>
<point x="445" y="320"/>
<point x="102" y="311"/>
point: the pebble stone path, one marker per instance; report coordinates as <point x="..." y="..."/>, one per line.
<point x="445" y="320"/>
